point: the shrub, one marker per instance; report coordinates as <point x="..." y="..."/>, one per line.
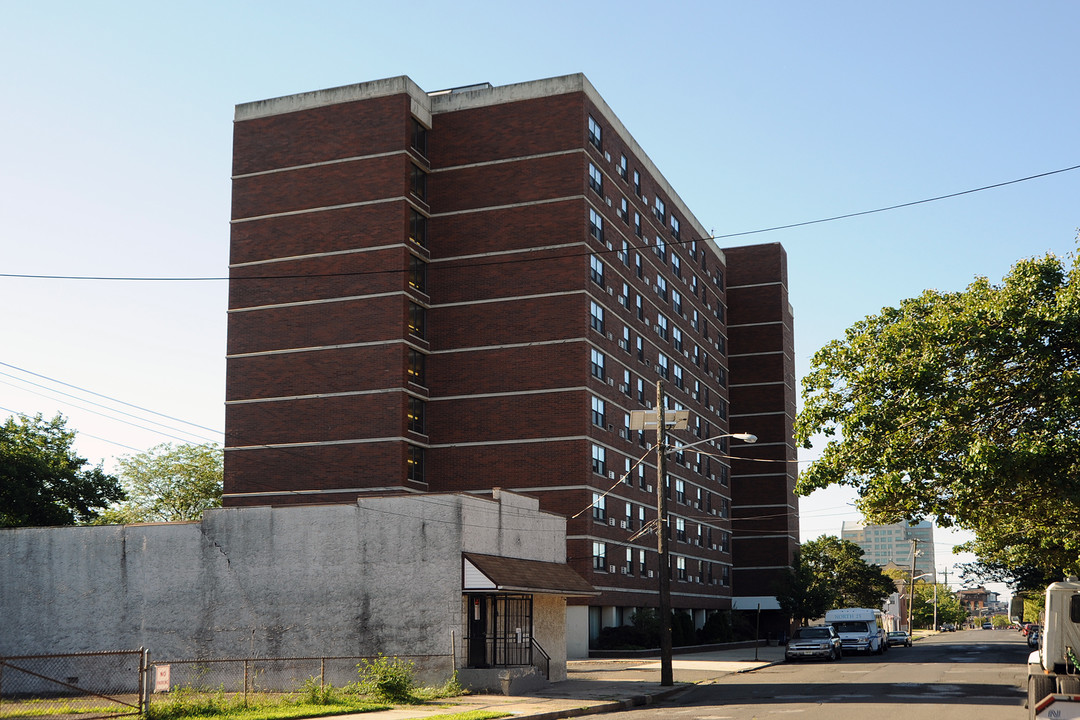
<point x="388" y="679"/>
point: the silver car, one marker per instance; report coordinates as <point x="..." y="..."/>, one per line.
<point x="821" y="641"/>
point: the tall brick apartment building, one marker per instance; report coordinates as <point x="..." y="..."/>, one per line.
<point x="467" y="289"/>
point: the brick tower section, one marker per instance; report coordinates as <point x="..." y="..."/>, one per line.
<point x="765" y="519"/>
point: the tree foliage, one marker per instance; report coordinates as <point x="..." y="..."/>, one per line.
<point x="43" y="481"/>
<point x="949" y="609"/>
<point x="830" y="573"/>
<point x="964" y="406"/>
<point x="169" y="483"/>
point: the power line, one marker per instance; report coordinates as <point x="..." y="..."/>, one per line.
<point x="744" y="233"/>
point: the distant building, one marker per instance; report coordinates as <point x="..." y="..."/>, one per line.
<point x="884" y="544"/>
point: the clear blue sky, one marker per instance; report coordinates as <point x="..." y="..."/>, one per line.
<point x="117" y="126"/>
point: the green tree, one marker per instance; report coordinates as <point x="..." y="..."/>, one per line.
<point x="964" y="406"/>
<point x="830" y="573"/>
<point x="949" y="609"/>
<point x="169" y="483"/>
<point x="43" y="481"/>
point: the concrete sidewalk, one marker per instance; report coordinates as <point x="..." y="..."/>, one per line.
<point x="599" y="686"/>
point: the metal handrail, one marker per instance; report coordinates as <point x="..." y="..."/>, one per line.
<point x="547" y="659"/>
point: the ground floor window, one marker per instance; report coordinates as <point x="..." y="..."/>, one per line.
<point x="500" y="630"/>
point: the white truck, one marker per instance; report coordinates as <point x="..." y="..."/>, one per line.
<point x="1053" y="683"/>
<point x="860" y="629"/>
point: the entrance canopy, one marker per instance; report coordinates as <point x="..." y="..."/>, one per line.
<point x="492" y="573"/>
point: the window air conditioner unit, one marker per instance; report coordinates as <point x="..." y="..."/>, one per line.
<point x="610" y="291"/>
<point x="611" y="522"/>
<point x="611" y="568"/>
<point x="611" y="474"/>
<point x="622" y="524"/>
<point x="622" y="387"/>
<point x="610" y="336"/>
<point x="626" y="571"/>
<point x="650" y="573"/>
<point x="611" y="381"/>
<point x="609" y="204"/>
<point x="648" y="488"/>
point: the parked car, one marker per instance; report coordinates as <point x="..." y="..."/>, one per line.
<point x="1033" y="634"/>
<point x="988" y="625"/>
<point x="898" y="637"/>
<point x="948" y="627"/>
<point x="820" y="641"/>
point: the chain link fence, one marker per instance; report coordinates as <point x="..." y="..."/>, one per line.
<point x="276" y="676"/>
<point x="90" y="685"/>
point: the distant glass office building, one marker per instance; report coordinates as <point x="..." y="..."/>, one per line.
<point x="883" y="544"/>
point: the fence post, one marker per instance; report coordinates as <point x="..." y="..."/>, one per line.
<point x="322" y="674"/>
<point x="1" y="680"/>
<point x="245" y="681"/>
<point x="144" y="681"/>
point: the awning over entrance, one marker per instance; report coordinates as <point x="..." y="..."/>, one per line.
<point x="492" y="573"/>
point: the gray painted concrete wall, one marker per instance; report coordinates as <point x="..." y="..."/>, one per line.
<point x="383" y="575"/>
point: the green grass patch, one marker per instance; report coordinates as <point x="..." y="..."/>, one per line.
<point x="41" y="708"/>
<point x="469" y="715"/>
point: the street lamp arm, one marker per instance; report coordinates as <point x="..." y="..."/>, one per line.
<point x="745" y="437"/>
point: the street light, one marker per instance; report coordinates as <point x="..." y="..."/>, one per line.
<point x="680" y="421"/>
<point x="911" y="599"/>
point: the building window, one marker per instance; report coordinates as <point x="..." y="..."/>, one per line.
<point x="640" y="349"/>
<point x="625" y="339"/>
<point x="725" y="507"/>
<point x="678" y="371"/>
<point x="599" y="507"/>
<point x="637" y="183"/>
<point x="596" y="317"/>
<point x="676" y="265"/>
<point x="637" y="223"/>
<point x="595" y="133"/>
<point x="661" y="326"/>
<point x="676" y="299"/>
<point x="416" y="367"/>
<point x="596" y="270"/>
<point x="676" y="337"/>
<point x="661" y="248"/>
<point x="416" y="415"/>
<point x="641" y="562"/>
<point x="628" y="568"/>
<point x="419" y="137"/>
<point x="725" y="575"/>
<point x="639" y="308"/>
<point x="418" y="182"/>
<point x="599" y="460"/>
<point x="721" y="376"/>
<point x="599" y="556"/>
<point x="414" y="463"/>
<point x="721" y="408"/>
<point x="626" y="386"/>
<point x="417" y="320"/>
<point x="598" y="364"/>
<point x="725" y="475"/>
<point x="624" y="255"/>
<point x="417" y="274"/>
<point x="680" y="566"/>
<point x="661" y="210"/>
<point x="662" y="367"/>
<point x="638" y="270"/>
<point x="626" y="434"/>
<point x="680" y="529"/>
<point x="596" y="179"/>
<point x="624" y="298"/>
<point x="596" y="225"/>
<point x="622" y="166"/>
<point x="599" y="416"/>
<point x="661" y="287"/>
<point x="680" y="491"/>
<point x="417" y="228"/>
<point x="675" y="227"/>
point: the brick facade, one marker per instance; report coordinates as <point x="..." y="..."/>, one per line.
<point x="417" y="288"/>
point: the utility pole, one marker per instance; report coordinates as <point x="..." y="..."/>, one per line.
<point x="664" y="578"/>
<point x="911" y="590"/>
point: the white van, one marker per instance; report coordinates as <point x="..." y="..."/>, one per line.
<point x="860" y="629"/>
